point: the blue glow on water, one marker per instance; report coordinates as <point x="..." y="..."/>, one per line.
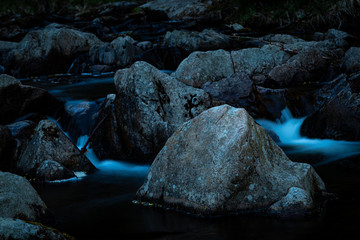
<point x="288" y="130"/>
<point x="111" y="166"/>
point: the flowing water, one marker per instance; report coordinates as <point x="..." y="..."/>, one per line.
<point x="100" y="205"/>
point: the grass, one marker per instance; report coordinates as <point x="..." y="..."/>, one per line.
<point x="282" y="12"/>
<point x="33" y="7"/>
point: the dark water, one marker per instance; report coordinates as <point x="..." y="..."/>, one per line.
<point x="99" y="206"/>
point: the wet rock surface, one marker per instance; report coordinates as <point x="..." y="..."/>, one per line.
<point x="242" y="169"/>
<point x="49" y="145"/>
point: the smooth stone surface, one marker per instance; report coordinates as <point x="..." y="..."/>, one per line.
<point x="222" y="162"/>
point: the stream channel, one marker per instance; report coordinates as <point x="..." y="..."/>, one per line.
<point x="100" y="205"/>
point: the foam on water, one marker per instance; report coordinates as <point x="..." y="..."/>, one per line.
<point x="112" y="166"/>
<point x="288" y="130"/>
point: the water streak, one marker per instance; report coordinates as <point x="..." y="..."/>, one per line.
<point x="111" y="166"/>
<point x="288" y="130"/>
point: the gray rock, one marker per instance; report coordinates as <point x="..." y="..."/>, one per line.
<point x="179" y="9"/>
<point x="145" y="45"/>
<point x="318" y="36"/>
<point x="287" y="75"/>
<point x="232" y="90"/>
<point x="49" y="170"/>
<point x="107" y="140"/>
<point x="236" y="27"/>
<point x="17" y="100"/>
<point x="19" y="199"/>
<point x="6" y="47"/>
<point x="16" y="229"/>
<point x="121" y="52"/>
<point x="49" y="50"/>
<point x="202" y="67"/>
<point x="7" y="80"/>
<point x="296" y="202"/>
<point x="196" y="41"/>
<point x="258" y="60"/>
<point x="150" y="105"/>
<point x="308" y="65"/>
<point x="222" y="162"/>
<point x="337" y="119"/>
<point x="50" y="143"/>
<point x="282" y="39"/>
<point x="351" y="61"/>
<point x="338" y="37"/>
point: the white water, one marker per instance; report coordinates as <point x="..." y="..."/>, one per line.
<point x="111" y="166"/>
<point x="288" y="130"/>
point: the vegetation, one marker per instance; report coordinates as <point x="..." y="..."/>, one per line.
<point x="32" y="7"/>
<point x="285" y="12"/>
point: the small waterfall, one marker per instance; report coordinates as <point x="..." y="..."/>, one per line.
<point x="111" y="166"/>
<point x="288" y="130"/>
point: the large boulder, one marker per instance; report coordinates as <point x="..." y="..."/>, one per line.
<point x="179" y="9"/>
<point x="17" y="100"/>
<point x="235" y="90"/>
<point x="351" y="61"/>
<point x="338" y="118"/>
<point x="49" y="50"/>
<point x="19" y="199"/>
<point x="197" y="41"/>
<point x="150" y="105"/>
<point x="50" y="155"/>
<point x="120" y="52"/>
<point x="222" y="162"/>
<point x="307" y="65"/>
<point x="16" y="229"/>
<point x="254" y="61"/>
<point x="202" y="67"/>
<point x="8" y="146"/>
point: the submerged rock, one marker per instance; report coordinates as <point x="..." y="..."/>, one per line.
<point x="19" y="199"/>
<point x="222" y="162"/>
<point x="50" y="144"/>
<point x="16" y="229"/>
<point x="17" y="100"/>
<point x="197" y="41"/>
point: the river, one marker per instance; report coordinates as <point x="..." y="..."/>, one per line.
<point x="100" y="205"/>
